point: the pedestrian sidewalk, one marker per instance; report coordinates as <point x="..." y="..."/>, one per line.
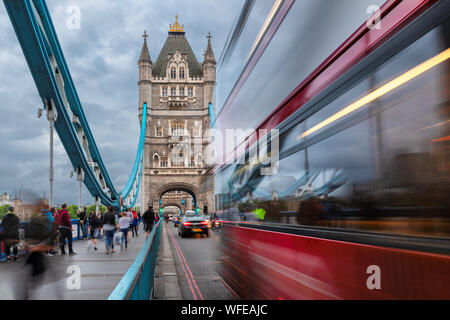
<point x="166" y="279"/>
<point x="100" y="273"/>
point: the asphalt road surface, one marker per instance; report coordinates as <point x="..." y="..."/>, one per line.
<point x="196" y="262"/>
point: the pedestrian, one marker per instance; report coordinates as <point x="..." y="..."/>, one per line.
<point x="95" y="224"/>
<point x="124" y="225"/>
<point x="82" y="216"/>
<point x="139" y="218"/>
<point x="54" y="213"/>
<point x="53" y="230"/>
<point x="65" y="230"/>
<point x="38" y="240"/>
<point x="109" y="228"/>
<point x="149" y="220"/>
<point x="134" y="225"/>
<point x="10" y="224"/>
<point x="130" y="215"/>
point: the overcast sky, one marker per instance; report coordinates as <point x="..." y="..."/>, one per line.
<point x="102" y="57"/>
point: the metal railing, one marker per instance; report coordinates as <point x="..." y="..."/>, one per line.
<point x="138" y="282"/>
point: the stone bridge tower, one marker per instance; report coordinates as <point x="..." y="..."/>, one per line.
<point x="177" y="90"/>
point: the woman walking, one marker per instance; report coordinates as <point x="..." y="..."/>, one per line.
<point x="124" y="225"/>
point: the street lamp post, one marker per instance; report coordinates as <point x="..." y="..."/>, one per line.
<point x="51" y="117"/>
<point x="97" y="204"/>
<point x="80" y="178"/>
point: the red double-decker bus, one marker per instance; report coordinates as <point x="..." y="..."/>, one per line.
<point x="356" y="202"/>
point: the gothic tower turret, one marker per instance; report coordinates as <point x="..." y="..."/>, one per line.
<point x="145" y="73"/>
<point x="145" y="91"/>
<point x="209" y="73"/>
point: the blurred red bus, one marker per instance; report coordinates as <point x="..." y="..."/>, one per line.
<point x="358" y="206"/>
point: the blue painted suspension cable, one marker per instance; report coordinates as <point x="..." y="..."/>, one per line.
<point x="129" y="185"/>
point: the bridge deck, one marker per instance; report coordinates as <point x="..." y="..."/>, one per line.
<point x="100" y="273"/>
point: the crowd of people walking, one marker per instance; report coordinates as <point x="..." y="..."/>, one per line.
<point x="51" y="230"/>
<point x="56" y="230"/>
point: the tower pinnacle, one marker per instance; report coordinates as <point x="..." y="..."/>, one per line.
<point x="145" y="55"/>
<point x="209" y="54"/>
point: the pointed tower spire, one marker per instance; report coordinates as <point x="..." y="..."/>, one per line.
<point x="209" y="54"/>
<point x="145" y="55"/>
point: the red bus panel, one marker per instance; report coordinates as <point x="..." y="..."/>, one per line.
<point x="261" y="264"/>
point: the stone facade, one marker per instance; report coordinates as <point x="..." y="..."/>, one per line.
<point x="178" y="91"/>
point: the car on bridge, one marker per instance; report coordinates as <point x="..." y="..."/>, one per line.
<point x="193" y="223"/>
<point x="176" y="220"/>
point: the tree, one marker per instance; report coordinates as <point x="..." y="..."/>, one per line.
<point x="4" y="210"/>
<point x="101" y="208"/>
<point x="72" y="209"/>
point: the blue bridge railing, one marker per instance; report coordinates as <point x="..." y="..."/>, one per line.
<point x="138" y="282"/>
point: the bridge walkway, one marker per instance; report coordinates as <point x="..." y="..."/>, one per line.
<point x="100" y="273"/>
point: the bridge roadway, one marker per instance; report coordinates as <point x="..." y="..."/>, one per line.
<point x="100" y="273"/>
<point x="196" y="262"/>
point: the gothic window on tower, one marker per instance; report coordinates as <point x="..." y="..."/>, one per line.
<point x="197" y="131"/>
<point x="177" y="128"/>
<point x="173" y="92"/>
<point x="159" y="131"/>
<point x="163" y="163"/>
<point x="199" y="160"/>
<point x="182" y="92"/>
<point x="164" y="91"/>
<point x="190" y="92"/>
<point x="173" y="73"/>
<point x="181" y="73"/>
<point x="192" y="163"/>
<point x="156" y="159"/>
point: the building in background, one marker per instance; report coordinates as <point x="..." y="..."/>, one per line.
<point x="5" y="199"/>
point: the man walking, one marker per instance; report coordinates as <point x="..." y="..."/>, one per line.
<point x="10" y="224"/>
<point x="82" y="215"/>
<point x="65" y="230"/>
<point x="149" y="220"/>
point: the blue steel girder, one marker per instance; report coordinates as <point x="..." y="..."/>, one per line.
<point x="70" y="91"/>
<point x="37" y="37"/>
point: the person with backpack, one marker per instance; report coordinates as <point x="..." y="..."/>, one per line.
<point x="65" y="230"/>
<point x="109" y="228"/>
<point x="10" y="225"/>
